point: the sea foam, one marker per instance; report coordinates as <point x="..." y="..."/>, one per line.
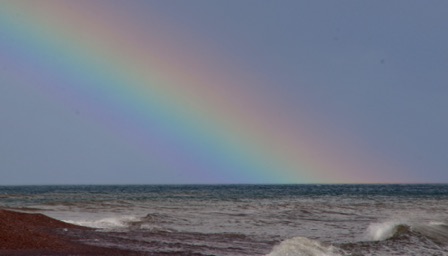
<point x="302" y="246"/>
<point x="435" y="229"/>
<point x="106" y="223"/>
<point x="383" y="230"/>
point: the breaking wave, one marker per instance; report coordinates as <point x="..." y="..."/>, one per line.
<point x="106" y="223"/>
<point x="302" y="246"/>
<point x="385" y="230"/>
<point x="434" y="230"/>
<point x="126" y="222"/>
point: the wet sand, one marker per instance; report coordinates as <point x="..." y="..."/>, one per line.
<point x="37" y="234"/>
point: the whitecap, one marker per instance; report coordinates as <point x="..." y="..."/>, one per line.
<point x="105" y="223"/>
<point x="382" y="231"/>
<point x="302" y="246"/>
<point x="434" y="229"/>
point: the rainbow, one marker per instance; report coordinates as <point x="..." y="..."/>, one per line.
<point x="149" y="84"/>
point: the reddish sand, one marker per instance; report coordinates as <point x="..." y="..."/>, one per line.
<point x="37" y="234"/>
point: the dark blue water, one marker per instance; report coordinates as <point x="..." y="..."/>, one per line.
<point x="229" y="192"/>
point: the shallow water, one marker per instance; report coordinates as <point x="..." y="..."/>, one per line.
<point x="250" y="219"/>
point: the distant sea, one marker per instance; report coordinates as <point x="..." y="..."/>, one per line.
<point x="249" y="219"/>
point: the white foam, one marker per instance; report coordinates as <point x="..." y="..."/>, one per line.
<point x="382" y="231"/>
<point x="437" y="223"/>
<point x="302" y="246"/>
<point x="105" y="223"/>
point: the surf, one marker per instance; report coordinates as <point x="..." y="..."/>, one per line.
<point x="435" y="230"/>
<point x="302" y="246"/>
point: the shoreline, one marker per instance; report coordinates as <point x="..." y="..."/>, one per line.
<point x="37" y="234"/>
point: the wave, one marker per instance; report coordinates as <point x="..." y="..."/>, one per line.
<point x="118" y="222"/>
<point x="436" y="231"/>
<point x="401" y="237"/>
<point x="302" y="246"/>
<point x="397" y="237"/>
<point x="385" y="230"/>
<point x="126" y="222"/>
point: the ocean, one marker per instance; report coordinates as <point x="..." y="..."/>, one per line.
<point x="274" y="220"/>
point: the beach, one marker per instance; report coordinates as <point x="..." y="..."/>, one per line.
<point x="36" y="234"/>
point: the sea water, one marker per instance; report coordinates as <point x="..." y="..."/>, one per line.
<point x="249" y="219"/>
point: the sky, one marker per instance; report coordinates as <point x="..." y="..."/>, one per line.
<point x="219" y="92"/>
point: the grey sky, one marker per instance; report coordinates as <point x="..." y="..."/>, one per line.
<point x="377" y="70"/>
